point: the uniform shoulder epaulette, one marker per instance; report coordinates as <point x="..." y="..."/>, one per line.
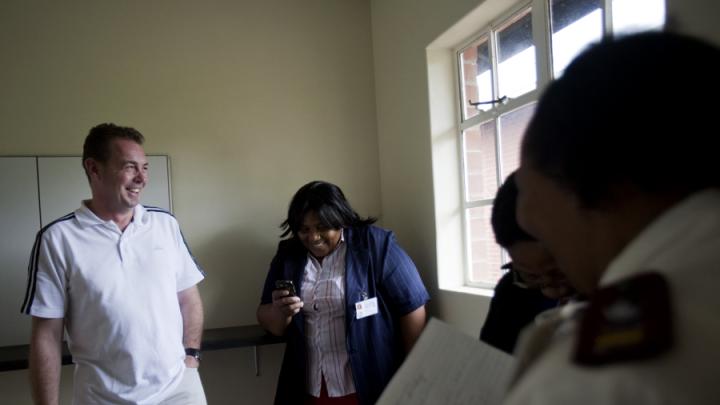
<point x="626" y="321"/>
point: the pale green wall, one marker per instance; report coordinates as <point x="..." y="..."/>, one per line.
<point x="402" y="30"/>
<point x="696" y="17"/>
<point x="251" y="99"/>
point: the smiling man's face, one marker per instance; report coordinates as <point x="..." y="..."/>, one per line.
<point x="119" y="181"/>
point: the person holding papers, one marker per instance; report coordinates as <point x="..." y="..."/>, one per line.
<point x="348" y="299"/>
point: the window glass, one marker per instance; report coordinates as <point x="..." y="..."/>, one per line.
<point x="637" y="15"/>
<point x="502" y="61"/>
<point x="485" y="254"/>
<point x="516" y="57"/>
<point x="480" y="162"/>
<point x="575" y="25"/>
<point x="476" y="77"/>
<point x="512" y="128"/>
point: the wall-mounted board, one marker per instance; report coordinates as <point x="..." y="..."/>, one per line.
<point x="35" y="191"/>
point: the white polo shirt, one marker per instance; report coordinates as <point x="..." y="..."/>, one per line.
<point x="118" y="294"/>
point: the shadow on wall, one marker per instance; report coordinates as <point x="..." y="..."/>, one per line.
<point x="229" y="375"/>
<point x="236" y="261"/>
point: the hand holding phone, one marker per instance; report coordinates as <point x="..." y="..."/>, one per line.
<point x="289" y="304"/>
<point x="286" y="285"/>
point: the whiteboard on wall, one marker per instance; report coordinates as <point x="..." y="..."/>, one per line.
<point x="36" y="190"/>
<point x="20" y="222"/>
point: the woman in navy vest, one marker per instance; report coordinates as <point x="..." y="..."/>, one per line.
<point x="347" y="298"/>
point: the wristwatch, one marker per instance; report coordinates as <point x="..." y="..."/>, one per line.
<point x="191" y="351"/>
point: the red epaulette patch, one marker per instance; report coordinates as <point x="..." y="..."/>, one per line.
<point x="629" y="320"/>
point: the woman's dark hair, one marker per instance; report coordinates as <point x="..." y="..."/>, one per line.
<point x="328" y="202"/>
<point x="503" y="218"/>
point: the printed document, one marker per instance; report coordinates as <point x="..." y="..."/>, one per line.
<point x="449" y="367"/>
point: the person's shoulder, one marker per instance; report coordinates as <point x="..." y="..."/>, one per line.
<point x="158" y="215"/>
<point x="373" y="231"/>
<point x="505" y="285"/>
<point x="369" y="235"/>
<point x="290" y="246"/>
<point x="287" y="243"/>
<point x="157" y="211"/>
<point x="57" y="226"/>
<point x="626" y="321"/>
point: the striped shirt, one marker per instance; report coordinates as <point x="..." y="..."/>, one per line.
<point x="323" y="292"/>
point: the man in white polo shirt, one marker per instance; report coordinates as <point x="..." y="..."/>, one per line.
<point x="119" y="278"/>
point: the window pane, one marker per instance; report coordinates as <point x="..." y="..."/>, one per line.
<point x="575" y="24"/>
<point x="516" y="57"/>
<point x="476" y="76"/>
<point x="480" y="162"/>
<point x="485" y="254"/>
<point x="512" y="129"/>
<point x="637" y="15"/>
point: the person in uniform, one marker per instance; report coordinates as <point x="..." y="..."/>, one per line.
<point x="532" y="284"/>
<point x="618" y="179"/>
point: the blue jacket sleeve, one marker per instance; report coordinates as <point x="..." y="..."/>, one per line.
<point x="402" y="287"/>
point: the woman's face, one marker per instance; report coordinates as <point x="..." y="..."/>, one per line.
<point x="319" y="240"/>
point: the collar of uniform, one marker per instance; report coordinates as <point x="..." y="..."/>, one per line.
<point x="565" y="312"/>
<point x="691" y="218"/>
<point x="86" y="217"/>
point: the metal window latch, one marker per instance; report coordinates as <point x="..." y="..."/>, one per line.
<point x="501" y="100"/>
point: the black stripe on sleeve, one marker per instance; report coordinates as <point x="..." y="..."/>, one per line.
<point x="33" y="265"/>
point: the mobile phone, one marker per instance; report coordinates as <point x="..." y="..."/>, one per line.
<point x="285" y="285"/>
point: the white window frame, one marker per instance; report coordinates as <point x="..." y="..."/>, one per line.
<point x="446" y="126"/>
<point x="541" y="34"/>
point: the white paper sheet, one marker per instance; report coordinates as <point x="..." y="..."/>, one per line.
<point x="448" y="367"/>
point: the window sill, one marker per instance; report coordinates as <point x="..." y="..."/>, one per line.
<point x="463" y="289"/>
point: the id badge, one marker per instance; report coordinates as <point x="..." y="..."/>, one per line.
<point x="366" y="308"/>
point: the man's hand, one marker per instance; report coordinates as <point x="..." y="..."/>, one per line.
<point x="191" y="362"/>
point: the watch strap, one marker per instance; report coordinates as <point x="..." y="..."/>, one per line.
<point x="193" y="352"/>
